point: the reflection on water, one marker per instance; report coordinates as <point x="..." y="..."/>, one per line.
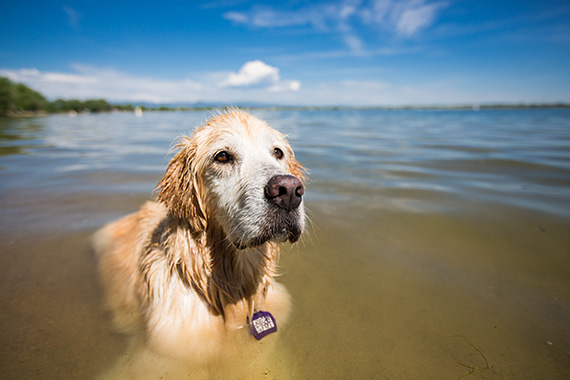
<point x="440" y="244"/>
<point x="18" y="136"/>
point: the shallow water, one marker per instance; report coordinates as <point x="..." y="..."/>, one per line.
<point x="439" y="244"/>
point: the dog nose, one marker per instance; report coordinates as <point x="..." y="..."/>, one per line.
<point x="285" y="191"/>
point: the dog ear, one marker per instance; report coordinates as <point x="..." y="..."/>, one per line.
<point x="179" y="188"/>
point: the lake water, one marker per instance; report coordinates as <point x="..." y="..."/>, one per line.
<point x="439" y="244"/>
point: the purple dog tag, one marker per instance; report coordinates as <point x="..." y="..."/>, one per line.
<point x="262" y="324"/>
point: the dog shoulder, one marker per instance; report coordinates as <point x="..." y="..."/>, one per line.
<point x="140" y="224"/>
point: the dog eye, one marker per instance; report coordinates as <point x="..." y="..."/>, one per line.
<point x="278" y="153"/>
<point x="223" y="157"/>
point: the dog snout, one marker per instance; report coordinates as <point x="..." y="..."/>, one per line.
<point x="285" y="191"/>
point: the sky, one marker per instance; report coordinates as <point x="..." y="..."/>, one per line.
<point x="289" y="52"/>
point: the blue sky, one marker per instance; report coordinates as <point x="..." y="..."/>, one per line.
<point x="346" y="52"/>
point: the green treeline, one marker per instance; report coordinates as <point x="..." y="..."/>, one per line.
<point x="17" y="98"/>
<point x="91" y="105"/>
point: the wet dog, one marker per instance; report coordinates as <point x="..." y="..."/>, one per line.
<point x="192" y="269"/>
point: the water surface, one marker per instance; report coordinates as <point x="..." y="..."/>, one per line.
<point x="439" y="246"/>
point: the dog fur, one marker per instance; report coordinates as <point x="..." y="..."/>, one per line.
<point x="189" y="269"/>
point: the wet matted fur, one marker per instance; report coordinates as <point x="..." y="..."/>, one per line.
<point x="189" y="269"/>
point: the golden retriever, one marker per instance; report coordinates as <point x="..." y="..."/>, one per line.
<point x="191" y="269"/>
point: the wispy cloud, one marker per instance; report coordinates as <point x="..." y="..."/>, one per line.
<point x="397" y="18"/>
<point x="73" y="16"/>
<point x="354" y="43"/>
<point x="414" y="16"/>
<point x="255" y="79"/>
<point x="91" y="82"/>
<point x="316" y="17"/>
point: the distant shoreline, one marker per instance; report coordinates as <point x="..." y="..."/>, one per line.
<point x="18" y="100"/>
<point x="475" y="107"/>
<point x="161" y="108"/>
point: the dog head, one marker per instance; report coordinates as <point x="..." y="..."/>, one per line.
<point x="238" y="173"/>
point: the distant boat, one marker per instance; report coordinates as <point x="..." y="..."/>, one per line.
<point x="138" y="111"/>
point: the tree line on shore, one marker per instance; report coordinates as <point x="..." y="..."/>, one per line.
<point x="17" y="98"/>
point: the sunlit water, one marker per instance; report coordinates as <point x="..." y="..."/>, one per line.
<point x="439" y="246"/>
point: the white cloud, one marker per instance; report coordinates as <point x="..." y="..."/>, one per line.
<point x="253" y="73"/>
<point x="256" y="74"/>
